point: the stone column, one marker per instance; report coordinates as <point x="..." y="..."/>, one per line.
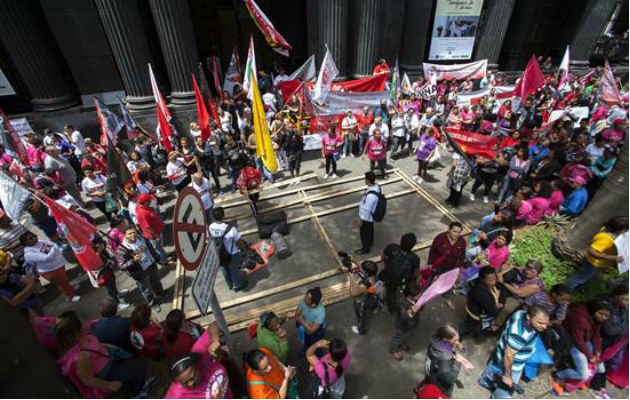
<point x="27" y="40"/>
<point x="177" y="40"/>
<point x="332" y="20"/>
<point x="416" y="37"/>
<point x="496" y="18"/>
<point x="366" y="24"/>
<point x="128" y="40"/>
<point x="594" y="19"/>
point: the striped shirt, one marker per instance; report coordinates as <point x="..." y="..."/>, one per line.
<point x="520" y="336"/>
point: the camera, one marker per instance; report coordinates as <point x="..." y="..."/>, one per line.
<point x="346" y="259"/>
<point x="348" y="263"/>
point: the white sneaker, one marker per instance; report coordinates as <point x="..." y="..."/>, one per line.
<point x="415" y="178"/>
<point x="472" y="197"/>
<point x="75" y="298"/>
<point x="343" y="156"/>
<point x="123" y="292"/>
<point x="485" y="199"/>
<point x="123" y="306"/>
<point x="333" y="176"/>
<point x="420" y="180"/>
<point x="325" y="176"/>
<point x="355" y="329"/>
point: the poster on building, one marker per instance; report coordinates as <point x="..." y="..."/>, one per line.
<point x="454" y="29"/>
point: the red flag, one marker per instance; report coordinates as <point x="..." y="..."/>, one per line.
<point x="273" y="37"/>
<point x="474" y="143"/>
<point x="608" y="90"/>
<point x="531" y="80"/>
<point x="203" y="117"/>
<point x="216" y="77"/>
<point x="16" y="143"/>
<point x="165" y="130"/>
<point x="214" y="113"/>
<point x="79" y="233"/>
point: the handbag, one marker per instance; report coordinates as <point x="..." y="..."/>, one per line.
<point x="319" y="390"/>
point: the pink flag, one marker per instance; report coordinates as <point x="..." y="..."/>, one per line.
<point x="442" y="284"/>
<point x="608" y="90"/>
<point x="531" y="80"/>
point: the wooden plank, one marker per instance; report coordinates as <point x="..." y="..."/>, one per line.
<point x="178" y="290"/>
<point x="320" y="229"/>
<point x="296" y="190"/>
<point x="426" y="196"/>
<point x="243" y="319"/>
<point x="301" y="282"/>
<point x="286" y="182"/>
<point x="322" y="196"/>
<point x="331" y="211"/>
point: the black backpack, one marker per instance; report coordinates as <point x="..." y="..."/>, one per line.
<point x="397" y="266"/>
<point x="381" y="206"/>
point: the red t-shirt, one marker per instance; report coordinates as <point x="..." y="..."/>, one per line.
<point x="147" y="340"/>
<point x="249" y="178"/>
<point x="365" y="121"/>
<point x="182" y="344"/>
<point x="148" y="218"/>
<point x="380" y="69"/>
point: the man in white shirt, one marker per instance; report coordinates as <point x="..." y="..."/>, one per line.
<point x="399" y="130"/>
<point x="269" y="99"/>
<point x="412" y="125"/>
<point x="367" y="206"/>
<point x="349" y="131"/>
<point x="77" y="140"/>
<point x="225" y="237"/>
<point x="378" y="124"/>
<point x="202" y="186"/>
<point x="281" y="77"/>
<point x="428" y="119"/>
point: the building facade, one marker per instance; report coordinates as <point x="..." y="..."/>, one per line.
<point x="55" y="54"/>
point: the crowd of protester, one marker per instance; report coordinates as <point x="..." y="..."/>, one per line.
<point x="540" y="168"/>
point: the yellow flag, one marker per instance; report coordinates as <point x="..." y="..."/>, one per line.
<point x="264" y="149"/>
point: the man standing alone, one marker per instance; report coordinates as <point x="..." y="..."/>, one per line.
<point x="367" y="207"/>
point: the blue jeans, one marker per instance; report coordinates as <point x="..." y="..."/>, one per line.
<point x="160" y="250"/>
<point x="363" y="138"/>
<point x="490" y="375"/>
<point x="581" y="277"/>
<point x="580" y="362"/>
<point x="347" y="145"/>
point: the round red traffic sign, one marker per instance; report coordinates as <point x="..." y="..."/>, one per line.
<point x="190" y="232"/>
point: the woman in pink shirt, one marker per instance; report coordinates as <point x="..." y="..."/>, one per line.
<point x="375" y="149"/>
<point x="199" y="374"/>
<point x="556" y="199"/>
<point x="34" y="152"/>
<point x="498" y="253"/>
<point x="330" y="368"/>
<point x="455" y="119"/>
<point x="96" y="370"/>
<point x="330" y="146"/>
<point x="540" y="202"/>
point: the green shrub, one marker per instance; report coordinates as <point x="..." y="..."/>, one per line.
<point x="535" y="244"/>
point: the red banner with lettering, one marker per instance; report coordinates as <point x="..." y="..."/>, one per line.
<point x="474" y="143"/>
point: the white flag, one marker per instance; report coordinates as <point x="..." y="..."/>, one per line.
<point x="564" y="64"/>
<point x="232" y="74"/>
<point x="327" y="74"/>
<point x="159" y="100"/>
<point x="306" y="72"/>
<point x="406" y="83"/>
<point x="13" y="196"/>
<point x="250" y="68"/>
